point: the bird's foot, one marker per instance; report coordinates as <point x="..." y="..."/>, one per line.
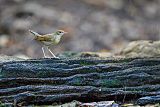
<point x="56" y="57"/>
<point x="46" y="57"/>
<point x="51" y="57"/>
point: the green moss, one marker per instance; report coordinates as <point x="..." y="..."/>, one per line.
<point x="42" y="74"/>
<point x="83" y="63"/>
<point x="77" y="81"/>
<point x="110" y="83"/>
<point x="80" y="81"/>
<point x="5" y="105"/>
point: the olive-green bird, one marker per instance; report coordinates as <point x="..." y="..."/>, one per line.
<point x="48" y="39"/>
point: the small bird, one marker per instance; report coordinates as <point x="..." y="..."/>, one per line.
<point x="48" y="39"/>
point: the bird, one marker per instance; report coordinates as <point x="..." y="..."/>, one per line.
<point x="48" y="40"/>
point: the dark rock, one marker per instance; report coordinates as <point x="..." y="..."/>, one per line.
<point x="45" y="81"/>
<point x="149" y="100"/>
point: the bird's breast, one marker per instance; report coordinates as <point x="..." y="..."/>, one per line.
<point x="56" y="40"/>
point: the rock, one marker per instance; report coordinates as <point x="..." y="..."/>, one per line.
<point x="89" y="79"/>
<point x="100" y="104"/>
<point x="91" y="104"/>
<point x="71" y="104"/>
<point x="84" y="54"/>
<point x="148" y="100"/>
<point x="68" y="54"/>
<point x="5" y="58"/>
<point x="21" y="56"/>
<point x="95" y="54"/>
<point x="4" y="40"/>
<point x="6" y="104"/>
<point x="142" y="48"/>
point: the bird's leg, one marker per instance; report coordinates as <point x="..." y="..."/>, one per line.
<point x="51" y="53"/>
<point x="44" y="53"/>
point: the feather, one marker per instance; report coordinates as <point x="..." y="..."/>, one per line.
<point x="34" y="33"/>
<point x="43" y="38"/>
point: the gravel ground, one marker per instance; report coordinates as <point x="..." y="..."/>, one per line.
<point x="93" y="25"/>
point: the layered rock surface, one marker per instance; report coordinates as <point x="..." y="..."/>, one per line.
<point x="45" y="81"/>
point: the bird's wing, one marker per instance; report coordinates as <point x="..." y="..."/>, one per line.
<point x="43" y="38"/>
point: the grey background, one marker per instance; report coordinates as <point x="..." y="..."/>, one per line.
<point x="93" y="25"/>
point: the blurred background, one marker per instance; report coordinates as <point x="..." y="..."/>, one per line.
<point x="93" y="25"/>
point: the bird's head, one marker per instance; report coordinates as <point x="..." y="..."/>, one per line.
<point x="60" y="32"/>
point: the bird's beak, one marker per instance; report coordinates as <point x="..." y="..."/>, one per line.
<point x="65" y="32"/>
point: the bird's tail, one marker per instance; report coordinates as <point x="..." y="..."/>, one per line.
<point x="34" y="33"/>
